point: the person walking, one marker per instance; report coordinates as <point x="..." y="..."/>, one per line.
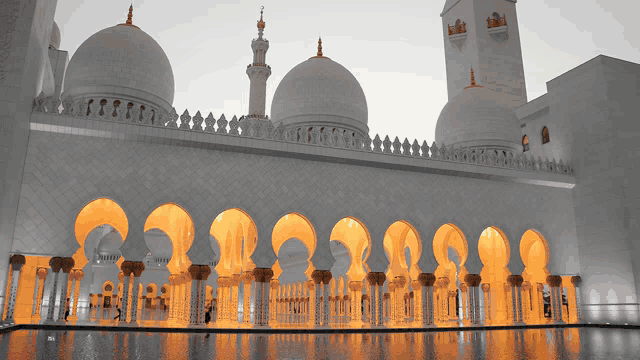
<point x="119" y="312"/>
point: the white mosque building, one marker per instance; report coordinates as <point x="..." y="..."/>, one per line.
<point x="520" y="212"/>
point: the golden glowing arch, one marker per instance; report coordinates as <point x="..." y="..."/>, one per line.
<point x="293" y="226"/>
<point x="102" y="211"/>
<point x="174" y="221"/>
<point x="237" y="236"/>
<point x="352" y="233"/>
<point x="535" y="254"/>
<point x="399" y="236"/>
<point x="494" y="251"/>
<point x="450" y="236"/>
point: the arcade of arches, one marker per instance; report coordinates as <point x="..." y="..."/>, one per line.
<point x="468" y="285"/>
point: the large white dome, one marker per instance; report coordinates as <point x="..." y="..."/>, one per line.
<point x="473" y="118"/>
<point x="54" y="41"/>
<point x="320" y="92"/>
<point x="122" y="62"/>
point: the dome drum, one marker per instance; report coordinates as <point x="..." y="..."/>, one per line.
<point x="115" y="109"/>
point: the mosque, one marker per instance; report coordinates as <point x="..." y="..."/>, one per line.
<point x="521" y="212"/>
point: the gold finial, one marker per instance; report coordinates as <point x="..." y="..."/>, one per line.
<point x="319" y="46"/>
<point x="129" y="21"/>
<point x="130" y="16"/>
<point x="473" y="81"/>
<point x="261" y="23"/>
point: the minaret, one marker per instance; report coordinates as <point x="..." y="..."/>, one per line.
<point x="258" y="73"/>
<point x="485" y="35"/>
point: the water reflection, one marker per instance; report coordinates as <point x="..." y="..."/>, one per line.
<point x="569" y="343"/>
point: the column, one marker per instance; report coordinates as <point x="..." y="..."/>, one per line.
<point x="443" y="308"/>
<point x="78" y="274"/>
<point x="266" y="287"/>
<point x="42" y="276"/>
<point x="372" y="280"/>
<point x="316" y="275"/>
<point x="356" y="299"/>
<point x="326" y="279"/>
<point x="380" y="298"/>
<point x="576" y="281"/>
<point x="257" y="298"/>
<point x="127" y="269"/>
<point x="486" y="289"/>
<point x="262" y="278"/>
<point x="515" y="281"/>
<point x="526" y="302"/>
<point x="194" y="301"/>
<point x="275" y="301"/>
<point x="427" y="280"/>
<point x="464" y="303"/>
<point x="235" y="283"/>
<point x="172" y="295"/>
<point x="247" y="278"/>
<point x="473" y="281"/>
<point x="554" y="283"/>
<point x="540" y="299"/>
<point x="222" y="311"/>
<point x="67" y="265"/>
<point x="16" y="262"/>
<point x="56" y="266"/>
<point x="205" y="271"/>
<point x="311" y="304"/>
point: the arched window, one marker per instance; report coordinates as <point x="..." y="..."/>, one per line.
<point x="545" y="135"/>
<point x="525" y="143"/>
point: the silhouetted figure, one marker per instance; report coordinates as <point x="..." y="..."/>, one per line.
<point x="117" y="316"/>
<point x="207" y="317"/>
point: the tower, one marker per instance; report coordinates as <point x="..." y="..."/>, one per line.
<point x="484" y="34"/>
<point x="258" y="73"/>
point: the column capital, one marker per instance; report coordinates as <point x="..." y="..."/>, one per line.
<point x="463" y="287"/>
<point x="42" y="273"/>
<point x="137" y="268"/>
<point x="443" y="282"/>
<point x="427" y="279"/>
<point x="127" y="267"/>
<point x="355" y="285"/>
<point x="400" y="281"/>
<point x="576" y="280"/>
<point x="263" y="274"/>
<point x="17" y="261"/>
<point x="472" y="280"/>
<point x="76" y="274"/>
<point x="416" y="285"/>
<point x="486" y="287"/>
<point x="554" y="280"/>
<point x="67" y="264"/>
<point x="515" y="280"/>
<point x="56" y="264"/>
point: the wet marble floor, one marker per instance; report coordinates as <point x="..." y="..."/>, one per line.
<point x="555" y="343"/>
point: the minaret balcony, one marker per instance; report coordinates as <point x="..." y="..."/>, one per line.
<point x="457" y="34"/>
<point x="497" y="25"/>
<point x="262" y="65"/>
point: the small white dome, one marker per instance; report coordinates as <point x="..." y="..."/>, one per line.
<point x="122" y="62"/>
<point x="473" y="118"/>
<point x="320" y="92"/>
<point x="54" y="42"/>
<point x="110" y="243"/>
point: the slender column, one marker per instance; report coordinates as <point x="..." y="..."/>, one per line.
<point x="465" y="301"/>
<point x="127" y="269"/>
<point x="266" y="287"/>
<point x="427" y="280"/>
<point x="16" y="263"/>
<point x="247" y="278"/>
<point x="576" y="281"/>
<point x="234" y="299"/>
<point x="526" y="303"/>
<point x="486" y="288"/>
<point x="172" y="298"/>
<point x="555" y="282"/>
<point x="205" y="271"/>
<point x="56" y="266"/>
<point x="78" y="274"/>
<point x="515" y="281"/>
<point x="194" y="315"/>
<point x="311" y="303"/>
<point x="372" y="280"/>
<point x="138" y="268"/>
<point x="326" y="278"/>
<point x="222" y="304"/>
<point x="539" y="296"/>
<point x="42" y="276"/>
<point x="67" y="265"/>
<point x="444" y="299"/>
<point x="257" y="299"/>
<point x="509" y="301"/>
<point x="262" y="278"/>
<point x="356" y="298"/>
<point x="473" y="281"/>
<point x="317" y="280"/>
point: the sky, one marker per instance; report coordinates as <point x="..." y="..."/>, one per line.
<point x="394" y="49"/>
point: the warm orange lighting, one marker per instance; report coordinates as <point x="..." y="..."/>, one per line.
<point x="237" y="238"/>
<point x="351" y="233"/>
<point x="178" y="226"/>
<point x="293" y="226"/>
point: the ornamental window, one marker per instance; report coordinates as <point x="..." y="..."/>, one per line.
<point x="545" y="135"/>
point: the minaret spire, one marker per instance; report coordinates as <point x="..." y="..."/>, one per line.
<point x="319" y="54"/>
<point x="129" y="21"/>
<point x="258" y="72"/>
<point x="472" y="81"/>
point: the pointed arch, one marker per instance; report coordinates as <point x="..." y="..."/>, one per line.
<point x="448" y="236"/>
<point x="535" y="254"/>
<point x="101" y="211"/>
<point x="293" y="226"/>
<point x="399" y="236"/>
<point x="354" y="235"/>
<point x="237" y="237"/>
<point x="178" y="224"/>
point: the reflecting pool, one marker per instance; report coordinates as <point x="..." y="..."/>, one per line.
<point x="557" y="343"/>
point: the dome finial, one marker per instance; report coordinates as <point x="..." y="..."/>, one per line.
<point x="261" y="23"/>
<point x="130" y="16"/>
<point x="319" y="46"/>
<point x="472" y="81"/>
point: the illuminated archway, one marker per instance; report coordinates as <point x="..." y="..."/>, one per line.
<point x="177" y="224"/>
<point x="449" y="236"/>
<point x="98" y="212"/>
<point x="293" y="226"/>
<point x="351" y="233"/>
<point x="494" y="252"/>
<point x="534" y="251"/>
<point x="400" y="237"/>
<point x="237" y="237"/>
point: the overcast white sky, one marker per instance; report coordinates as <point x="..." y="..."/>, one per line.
<point x="394" y="48"/>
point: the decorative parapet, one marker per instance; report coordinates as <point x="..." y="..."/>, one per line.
<point x="458" y="28"/>
<point x="311" y="136"/>
<point x="496" y="22"/>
